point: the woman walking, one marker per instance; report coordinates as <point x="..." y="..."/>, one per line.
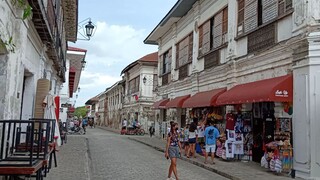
<point x="173" y="150"/>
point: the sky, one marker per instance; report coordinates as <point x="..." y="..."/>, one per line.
<point x="121" y="27"/>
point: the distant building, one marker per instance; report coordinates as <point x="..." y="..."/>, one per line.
<point x="140" y="82"/>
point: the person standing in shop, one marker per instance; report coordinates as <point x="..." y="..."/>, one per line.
<point x="211" y="135"/>
<point x="193" y="135"/>
<point x="173" y="150"/>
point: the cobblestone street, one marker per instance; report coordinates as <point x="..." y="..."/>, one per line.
<point x="111" y="156"/>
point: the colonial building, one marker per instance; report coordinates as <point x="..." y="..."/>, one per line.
<point x="101" y="109"/>
<point x="93" y="106"/>
<point x="246" y="55"/>
<point x="33" y="47"/>
<point x="115" y="95"/>
<point x="140" y="82"/>
<point x="74" y="65"/>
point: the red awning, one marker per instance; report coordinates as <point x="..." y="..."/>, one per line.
<point x="177" y="102"/>
<point x="161" y="104"/>
<point x="279" y="89"/>
<point x="204" y="99"/>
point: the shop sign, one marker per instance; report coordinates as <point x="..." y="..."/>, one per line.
<point x="282" y="93"/>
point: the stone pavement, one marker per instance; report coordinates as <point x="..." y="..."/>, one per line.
<point x="72" y="160"/>
<point x="235" y="170"/>
<point x="103" y="155"/>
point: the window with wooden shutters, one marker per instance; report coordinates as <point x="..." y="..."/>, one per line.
<point x="240" y="17"/>
<point x="134" y="85"/>
<point x="166" y="62"/>
<point x="184" y="51"/>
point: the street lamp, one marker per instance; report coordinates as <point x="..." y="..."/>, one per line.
<point x="78" y="89"/>
<point x="83" y="62"/>
<point x="86" y="29"/>
<point x="144" y="80"/>
<point x="89" y="28"/>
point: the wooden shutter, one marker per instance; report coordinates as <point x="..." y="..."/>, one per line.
<point x="269" y="10"/>
<point x="161" y="65"/>
<point x="43" y="88"/>
<point x="177" y="55"/>
<point x="225" y="26"/>
<point x="190" y="48"/>
<point x="206" y="37"/>
<point x="200" y="40"/>
<point x="250" y="15"/>
<point x="169" y="60"/>
<point x="217" y="30"/>
<point x="240" y="16"/>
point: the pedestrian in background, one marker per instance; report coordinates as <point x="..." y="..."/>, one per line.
<point x="186" y="140"/>
<point x="193" y="135"/>
<point x="151" y="130"/>
<point x="84" y="124"/>
<point x="173" y="150"/>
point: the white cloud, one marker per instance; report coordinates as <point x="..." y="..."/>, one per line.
<point x="111" y="49"/>
<point x="96" y="80"/>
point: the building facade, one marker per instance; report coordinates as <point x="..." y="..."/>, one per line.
<point x="101" y="109"/>
<point x="115" y="95"/>
<point x="31" y="49"/>
<point x="74" y="66"/>
<point x="140" y="82"/>
<point x="222" y="45"/>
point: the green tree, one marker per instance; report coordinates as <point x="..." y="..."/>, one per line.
<point x="80" y="111"/>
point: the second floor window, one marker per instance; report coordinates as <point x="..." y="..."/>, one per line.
<point x="254" y="13"/>
<point x="213" y="33"/>
<point x="184" y="51"/>
<point x="165" y="62"/>
<point x="134" y="85"/>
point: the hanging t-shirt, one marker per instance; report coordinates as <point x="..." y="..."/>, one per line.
<point x="239" y="124"/>
<point x="230" y="122"/>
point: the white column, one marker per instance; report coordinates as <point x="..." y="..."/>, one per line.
<point x="306" y="124"/>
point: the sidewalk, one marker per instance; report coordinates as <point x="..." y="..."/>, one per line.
<point x="72" y="160"/>
<point x="235" y="170"/>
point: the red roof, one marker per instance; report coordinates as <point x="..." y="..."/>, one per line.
<point x="161" y="104"/>
<point x="76" y="49"/>
<point x="152" y="57"/>
<point x="204" y="99"/>
<point x="177" y="102"/>
<point x="279" y="89"/>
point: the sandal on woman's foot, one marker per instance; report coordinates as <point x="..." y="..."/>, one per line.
<point x="206" y="162"/>
<point x="213" y="163"/>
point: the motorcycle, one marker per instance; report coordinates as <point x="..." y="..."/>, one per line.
<point x="133" y="131"/>
<point x="76" y="130"/>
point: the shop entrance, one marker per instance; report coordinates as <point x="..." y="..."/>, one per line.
<point x="257" y="149"/>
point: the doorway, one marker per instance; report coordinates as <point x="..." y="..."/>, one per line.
<point x="27" y="96"/>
